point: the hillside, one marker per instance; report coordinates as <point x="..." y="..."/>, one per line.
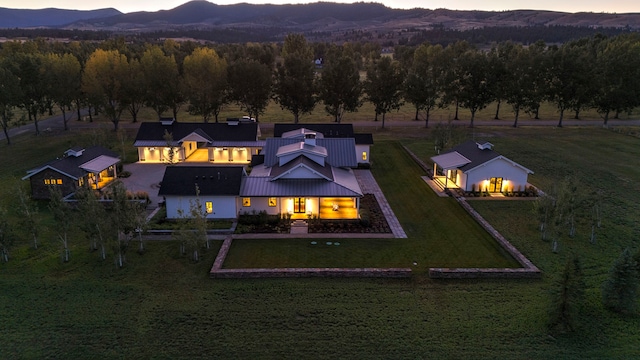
<point x="25" y="18"/>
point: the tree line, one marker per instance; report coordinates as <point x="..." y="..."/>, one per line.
<point x="114" y="76"/>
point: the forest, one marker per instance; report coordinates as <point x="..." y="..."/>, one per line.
<point x="114" y="76"/>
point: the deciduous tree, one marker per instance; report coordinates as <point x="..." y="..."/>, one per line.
<point x="205" y="81"/>
<point x="250" y="86"/>
<point x="383" y="86"/>
<point x="340" y="87"/>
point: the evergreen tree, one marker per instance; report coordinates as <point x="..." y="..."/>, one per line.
<point x="620" y="290"/>
<point x="566" y="297"/>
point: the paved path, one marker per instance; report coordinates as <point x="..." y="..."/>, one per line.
<point x="369" y="186"/>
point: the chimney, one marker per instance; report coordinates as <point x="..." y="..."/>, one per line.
<point x="310" y="139"/>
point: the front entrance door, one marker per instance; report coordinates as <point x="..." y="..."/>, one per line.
<point x="299" y="206"/>
<point x="495" y="185"/>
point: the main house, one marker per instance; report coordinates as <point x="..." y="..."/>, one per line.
<point x="300" y="177"/>
<point x="473" y="166"/>
<point x="94" y="167"/>
<point x="363" y="141"/>
<point x="168" y="141"/>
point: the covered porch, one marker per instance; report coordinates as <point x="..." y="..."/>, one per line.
<point x="321" y="208"/>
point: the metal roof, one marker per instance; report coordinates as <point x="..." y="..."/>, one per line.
<point x="340" y="151"/>
<point x="451" y="160"/>
<point x="100" y="163"/>
<point x="72" y="165"/>
<point x="263" y="186"/>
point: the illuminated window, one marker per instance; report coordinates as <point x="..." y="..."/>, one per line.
<point x="47" y="182"/>
<point x="59" y="181"/>
<point x="80" y="181"/>
<point x="209" y="207"/>
<point x="364" y="156"/>
<point x="273" y="201"/>
<point x="246" y="202"/>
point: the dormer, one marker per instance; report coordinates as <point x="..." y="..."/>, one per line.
<point x="316" y="153"/>
<point x="74" y="151"/>
<point x="485" y="146"/>
<point x="166" y="121"/>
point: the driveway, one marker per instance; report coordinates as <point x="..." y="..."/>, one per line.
<point x="145" y="177"/>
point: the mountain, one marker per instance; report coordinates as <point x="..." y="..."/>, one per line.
<point x="319" y="17"/>
<point x="50" y="17"/>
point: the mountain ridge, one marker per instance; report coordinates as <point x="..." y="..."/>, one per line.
<point x="311" y="17"/>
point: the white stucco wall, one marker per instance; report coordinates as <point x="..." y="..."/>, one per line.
<point x="224" y="207"/>
<point x="360" y="149"/>
<point x="512" y="175"/>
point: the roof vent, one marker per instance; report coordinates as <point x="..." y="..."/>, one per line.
<point x="166" y="121"/>
<point x="310" y="139"/>
<point x="233" y="121"/>
<point x="485" y="146"/>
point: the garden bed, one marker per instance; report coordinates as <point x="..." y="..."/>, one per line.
<point x="372" y="220"/>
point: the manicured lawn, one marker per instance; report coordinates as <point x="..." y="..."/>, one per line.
<point x="161" y="305"/>
<point x="440" y="232"/>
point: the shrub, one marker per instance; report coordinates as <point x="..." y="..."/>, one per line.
<point x="365" y="217"/>
<point x="124" y="174"/>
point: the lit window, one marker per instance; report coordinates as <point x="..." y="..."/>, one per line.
<point x="364" y="156"/>
<point x="273" y="201"/>
<point x="209" y="207"/>
<point x="59" y="181"/>
<point x="246" y="202"/>
<point x="47" y="182"/>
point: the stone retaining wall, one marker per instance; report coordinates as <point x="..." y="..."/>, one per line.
<point x="528" y="270"/>
<point x="217" y="272"/>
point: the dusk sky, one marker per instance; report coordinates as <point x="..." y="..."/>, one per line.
<point x="126" y="6"/>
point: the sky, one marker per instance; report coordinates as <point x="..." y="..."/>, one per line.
<point x="126" y="6"/>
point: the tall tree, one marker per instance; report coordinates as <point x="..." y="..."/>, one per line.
<point x="102" y="81"/>
<point x="205" y="81"/>
<point x="161" y="79"/>
<point x="475" y="89"/>
<point x="250" y="86"/>
<point x="453" y="74"/>
<point x="9" y="97"/>
<point x="339" y="87"/>
<point x="516" y="83"/>
<point x="64" y="80"/>
<point x="620" y="290"/>
<point x="133" y="93"/>
<point x="295" y="85"/>
<point x="383" y="86"/>
<point x="423" y="84"/>
<point x="31" y="72"/>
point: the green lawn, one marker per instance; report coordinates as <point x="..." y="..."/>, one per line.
<point x="440" y="232"/>
<point x="161" y="305"/>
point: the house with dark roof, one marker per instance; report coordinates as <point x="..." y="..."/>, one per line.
<point x="303" y="177"/>
<point x="94" y="167"/>
<point x="298" y="178"/>
<point x="473" y="166"/>
<point x="362" y="141"/>
<point x="218" y="190"/>
<point x="167" y="141"/>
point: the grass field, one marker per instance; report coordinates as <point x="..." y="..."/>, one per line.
<point x="163" y="306"/>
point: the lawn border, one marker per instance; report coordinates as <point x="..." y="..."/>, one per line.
<point x="528" y="270"/>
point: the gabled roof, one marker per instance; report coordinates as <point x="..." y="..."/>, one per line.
<point x="302" y="162"/>
<point x="340" y="151"/>
<point x="301" y="147"/>
<point x="331" y="130"/>
<point x="154" y="131"/>
<point x="469" y="155"/>
<point x="76" y="167"/>
<point x="211" y="180"/>
<point x="263" y="186"/>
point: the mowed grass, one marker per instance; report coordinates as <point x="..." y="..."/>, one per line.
<point x="161" y="305"/>
<point x="440" y="233"/>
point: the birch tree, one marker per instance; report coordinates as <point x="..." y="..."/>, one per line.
<point x="29" y="218"/>
<point x="6" y="241"/>
<point x="62" y="216"/>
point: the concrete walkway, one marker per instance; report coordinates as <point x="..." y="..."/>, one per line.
<point x="369" y="186"/>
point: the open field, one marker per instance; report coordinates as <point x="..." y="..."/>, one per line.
<point x="163" y="306"/>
